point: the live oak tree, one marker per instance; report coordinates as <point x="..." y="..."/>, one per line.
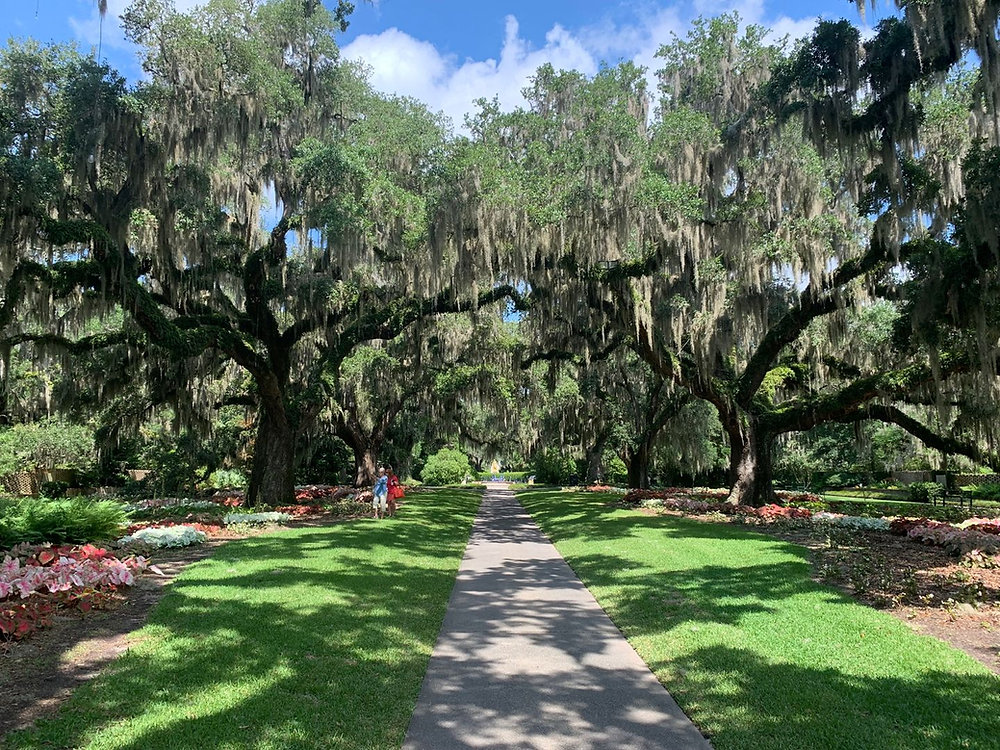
<point x="149" y="198"/>
<point x="731" y="238"/>
<point x="613" y="405"/>
<point x="447" y="369"/>
<point x="479" y="399"/>
<point x="773" y="195"/>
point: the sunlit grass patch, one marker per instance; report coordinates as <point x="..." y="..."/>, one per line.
<point x="310" y="638"/>
<point x="755" y="651"/>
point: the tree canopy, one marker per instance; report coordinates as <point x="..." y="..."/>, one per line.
<point x="792" y="234"/>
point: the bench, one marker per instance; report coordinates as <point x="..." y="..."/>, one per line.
<point x="957" y="497"/>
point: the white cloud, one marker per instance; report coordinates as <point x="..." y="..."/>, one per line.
<point x="640" y="42"/>
<point x="403" y="65"/>
<point x="90" y="31"/>
<point x="791" y="28"/>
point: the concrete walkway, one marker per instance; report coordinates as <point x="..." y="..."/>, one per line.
<point x="526" y="657"/>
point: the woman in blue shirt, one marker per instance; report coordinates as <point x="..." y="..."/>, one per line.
<point x="380" y="493"/>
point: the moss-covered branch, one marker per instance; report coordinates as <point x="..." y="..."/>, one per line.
<point x="944" y="443"/>
<point x="806" y="413"/>
<point x="72" y="346"/>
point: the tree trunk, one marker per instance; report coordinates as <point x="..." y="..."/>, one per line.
<point x="638" y="467"/>
<point x="364" y="464"/>
<point x="595" y="456"/>
<point x="751" y="471"/>
<point x="272" y="478"/>
<point x="5" y="417"/>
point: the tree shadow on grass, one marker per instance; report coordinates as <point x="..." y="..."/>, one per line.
<point x="751" y="705"/>
<point x="286" y="642"/>
<point x="593" y="517"/>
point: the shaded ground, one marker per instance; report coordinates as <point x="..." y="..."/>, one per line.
<point x="242" y="647"/>
<point x="926" y="587"/>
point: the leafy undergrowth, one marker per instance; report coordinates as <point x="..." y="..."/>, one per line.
<point x="307" y="638"/>
<point x="758" y="654"/>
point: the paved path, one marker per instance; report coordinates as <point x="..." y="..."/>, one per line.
<point x="526" y="657"/>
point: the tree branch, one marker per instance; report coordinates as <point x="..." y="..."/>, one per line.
<point x="893" y="385"/>
<point x="943" y="443"/>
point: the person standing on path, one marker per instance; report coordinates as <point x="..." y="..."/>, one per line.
<point x="380" y="493"/>
<point x="395" y="490"/>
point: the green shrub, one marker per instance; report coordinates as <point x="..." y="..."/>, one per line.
<point x="986" y="492"/>
<point x="554" y="467"/>
<point x="70" y="521"/>
<point x="205" y="510"/>
<point x="841" y="479"/>
<point x="447" y="466"/>
<point x="54" y="489"/>
<point x="48" y="443"/>
<point x="229" y="479"/>
<point x="925" y="492"/>
<point x="615" y="470"/>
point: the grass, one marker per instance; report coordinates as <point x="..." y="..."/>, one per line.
<point x="757" y="653"/>
<point x="308" y="638"/>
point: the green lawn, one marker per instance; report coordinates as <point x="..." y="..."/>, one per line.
<point x="758" y="654"/>
<point x="312" y="638"/>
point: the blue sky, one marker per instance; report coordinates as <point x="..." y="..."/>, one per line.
<point x="450" y="52"/>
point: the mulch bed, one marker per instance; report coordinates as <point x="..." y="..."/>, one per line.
<point x="926" y="587"/>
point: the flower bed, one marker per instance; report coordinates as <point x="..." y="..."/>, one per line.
<point x="979" y="535"/>
<point x="310" y="493"/>
<point x="955" y="540"/>
<point x="206" y="528"/>
<point x="982" y="525"/>
<point x="298" y="511"/>
<point x="170" y="502"/>
<point x="36" y="580"/>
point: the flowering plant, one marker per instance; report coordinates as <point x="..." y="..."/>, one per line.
<point x="207" y="528"/>
<point x="902" y="526"/>
<point x="775" y="512"/>
<point x="858" y="523"/>
<point x="797" y="498"/>
<point x="168" y="502"/>
<point x="165" y="536"/>
<point x="957" y="540"/>
<point x="36" y="580"/>
<point x="982" y="525"/>
<point x="297" y="511"/>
